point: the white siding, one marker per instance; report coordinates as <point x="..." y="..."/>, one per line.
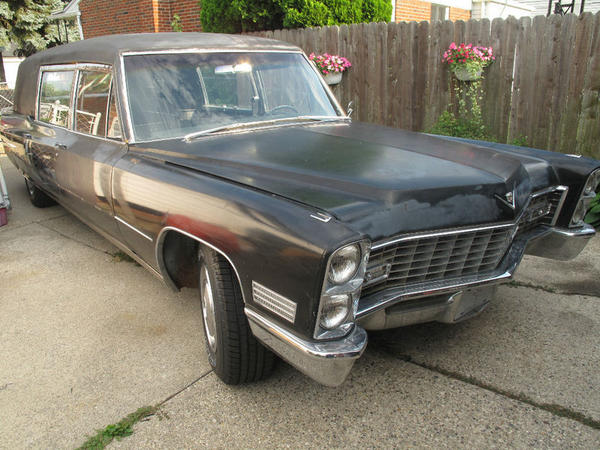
<point x="490" y="9"/>
<point x="541" y="6"/>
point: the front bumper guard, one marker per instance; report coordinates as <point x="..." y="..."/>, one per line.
<point x="329" y="362"/>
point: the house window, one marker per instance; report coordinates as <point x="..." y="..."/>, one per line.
<point x="439" y="12"/>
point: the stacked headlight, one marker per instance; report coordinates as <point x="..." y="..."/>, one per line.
<point x="587" y="195"/>
<point x="341" y="289"/>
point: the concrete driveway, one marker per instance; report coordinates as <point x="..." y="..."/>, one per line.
<point x="87" y="338"/>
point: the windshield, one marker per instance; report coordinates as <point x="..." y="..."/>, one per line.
<point x="173" y="95"/>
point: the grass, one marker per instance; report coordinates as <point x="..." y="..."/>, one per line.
<point x="120" y="256"/>
<point x="118" y="430"/>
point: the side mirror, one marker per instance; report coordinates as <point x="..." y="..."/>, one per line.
<point x="349" y="108"/>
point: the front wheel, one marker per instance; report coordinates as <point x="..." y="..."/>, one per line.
<point x="233" y="351"/>
<point x="37" y="197"/>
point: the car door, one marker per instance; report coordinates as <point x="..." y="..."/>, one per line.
<point x="47" y="135"/>
<point x="85" y="162"/>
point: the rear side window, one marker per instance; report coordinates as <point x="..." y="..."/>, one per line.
<point x="55" y="97"/>
<point x="93" y="91"/>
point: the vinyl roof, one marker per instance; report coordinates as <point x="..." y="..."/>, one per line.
<point x="107" y="50"/>
<point x="104" y="49"/>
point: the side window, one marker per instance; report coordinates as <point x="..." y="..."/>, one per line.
<point x="114" y="122"/>
<point x="55" y="97"/>
<point x="92" y="99"/>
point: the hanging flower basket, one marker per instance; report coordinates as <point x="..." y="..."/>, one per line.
<point x="333" y="78"/>
<point x="467" y="61"/>
<point x="331" y="66"/>
<point x="464" y="74"/>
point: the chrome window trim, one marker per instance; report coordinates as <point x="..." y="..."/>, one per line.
<point x="123" y="80"/>
<point x="158" y="254"/>
<point x="203" y="50"/>
<point x="63" y="68"/>
<point x="74" y="67"/>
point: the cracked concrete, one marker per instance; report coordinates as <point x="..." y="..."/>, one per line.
<point x="579" y="276"/>
<point x="86" y="340"/>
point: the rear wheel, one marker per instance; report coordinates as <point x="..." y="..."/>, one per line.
<point x="38" y="197"/>
<point x="233" y="352"/>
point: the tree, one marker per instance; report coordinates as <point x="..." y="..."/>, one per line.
<point x="25" y="24"/>
<point x="235" y="16"/>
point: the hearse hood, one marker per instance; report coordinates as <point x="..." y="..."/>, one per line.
<point x="379" y="181"/>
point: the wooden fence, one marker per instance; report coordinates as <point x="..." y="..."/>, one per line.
<point x="544" y="86"/>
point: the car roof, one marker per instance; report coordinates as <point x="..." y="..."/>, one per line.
<point x="104" y="49"/>
<point x="107" y="50"/>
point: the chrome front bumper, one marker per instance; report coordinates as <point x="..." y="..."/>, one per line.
<point x="560" y="243"/>
<point x="329" y="362"/>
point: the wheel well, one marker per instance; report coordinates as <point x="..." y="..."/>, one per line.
<point x="180" y="259"/>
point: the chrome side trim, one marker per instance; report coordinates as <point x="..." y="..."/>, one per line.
<point x="158" y="252"/>
<point x="131" y="227"/>
<point x="327" y="362"/>
<point x="118" y="244"/>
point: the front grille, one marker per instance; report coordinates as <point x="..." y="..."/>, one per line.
<point x="436" y="257"/>
<point x="543" y="209"/>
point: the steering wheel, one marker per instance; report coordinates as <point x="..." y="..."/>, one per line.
<point x="280" y="107"/>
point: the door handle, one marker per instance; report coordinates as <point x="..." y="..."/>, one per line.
<point x="26" y="139"/>
<point x="60" y="146"/>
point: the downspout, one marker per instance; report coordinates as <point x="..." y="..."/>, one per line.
<point x="79" y="25"/>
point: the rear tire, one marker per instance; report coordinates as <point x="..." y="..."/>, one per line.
<point x="38" y="197"/>
<point x="233" y="351"/>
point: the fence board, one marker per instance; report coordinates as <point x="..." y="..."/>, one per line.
<point x="588" y="130"/>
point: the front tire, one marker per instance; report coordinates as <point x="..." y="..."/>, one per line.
<point x="233" y="351"/>
<point x="37" y="197"/>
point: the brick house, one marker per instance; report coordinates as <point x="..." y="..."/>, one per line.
<point x="419" y="10"/>
<point x="99" y="17"/>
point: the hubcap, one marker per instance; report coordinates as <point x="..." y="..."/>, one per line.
<point x="208" y="310"/>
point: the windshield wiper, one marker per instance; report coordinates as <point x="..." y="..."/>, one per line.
<point x="262" y="124"/>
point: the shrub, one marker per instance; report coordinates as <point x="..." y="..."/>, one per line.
<point x="468" y="121"/>
<point x="234" y="16"/>
<point x="593" y="215"/>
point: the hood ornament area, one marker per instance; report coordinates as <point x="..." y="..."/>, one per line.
<point x="509" y="199"/>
